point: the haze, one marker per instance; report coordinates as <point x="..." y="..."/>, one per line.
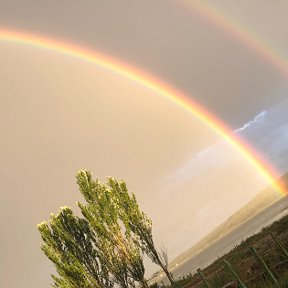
<point x="59" y="115"/>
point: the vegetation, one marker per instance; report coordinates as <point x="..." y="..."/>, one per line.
<point x="246" y="265"/>
<point x="105" y="246"/>
<point x="70" y="244"/>
<point x="139" y="224"/>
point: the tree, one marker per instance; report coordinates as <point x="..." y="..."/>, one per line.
<point x="138" y="222"/>
<point x="94" y="251"/>
<point x="122" y="249"/>
<point x="70" y="244"/>
<point x="106" y="246"/>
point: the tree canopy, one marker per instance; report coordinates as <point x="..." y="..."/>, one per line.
<point x="106" y="245"/>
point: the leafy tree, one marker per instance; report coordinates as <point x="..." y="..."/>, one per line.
<point x="138" y="222"/>
<point x="71" y="245"/>
<point x="122" y="249"/>
<point x="106" y="246"/>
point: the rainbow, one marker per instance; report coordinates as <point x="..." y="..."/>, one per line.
<point x="220" y="20"/>
<point x="149" y="82"/>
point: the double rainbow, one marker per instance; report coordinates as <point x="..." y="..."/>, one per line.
<point x="152" y="83"/>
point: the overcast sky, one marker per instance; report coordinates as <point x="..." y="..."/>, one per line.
<point x="60" y="114"/>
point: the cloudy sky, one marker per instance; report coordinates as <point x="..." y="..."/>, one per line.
<point x="60" y="114"/>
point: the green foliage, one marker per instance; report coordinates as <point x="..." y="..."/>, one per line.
<point x="138" y="223"/>
<point x="102" y="211"/>
<point x="70" y="244"/>
<point x="106" y="245"/>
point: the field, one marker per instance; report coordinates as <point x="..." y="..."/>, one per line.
<point x="259" y="261"/>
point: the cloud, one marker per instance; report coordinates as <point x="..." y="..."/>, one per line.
<point x="217" y="156"/>
<point x="256" y="119"/>
<point x="268" y="134"/>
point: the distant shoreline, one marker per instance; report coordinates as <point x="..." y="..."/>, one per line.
<point x="225" y="244"/>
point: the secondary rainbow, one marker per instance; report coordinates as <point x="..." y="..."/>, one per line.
<point x="151" y="83"/>
<point x="252" y="41"/>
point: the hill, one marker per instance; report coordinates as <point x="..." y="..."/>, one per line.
<point x="258" y="204"/>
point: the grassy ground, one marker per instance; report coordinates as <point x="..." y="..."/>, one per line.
<point x="247" y="265"/>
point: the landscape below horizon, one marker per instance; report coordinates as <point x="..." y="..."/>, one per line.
<point x="265" y="208"/>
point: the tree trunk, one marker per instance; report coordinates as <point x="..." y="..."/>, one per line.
<point x="168" y="274"/>
<point x="145" y="284"/>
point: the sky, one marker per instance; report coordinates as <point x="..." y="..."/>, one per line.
<point x="60" y="114"/>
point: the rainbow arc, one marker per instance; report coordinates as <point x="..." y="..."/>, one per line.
<point x="243" y="36"/>
<point x="152" y="83"/>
